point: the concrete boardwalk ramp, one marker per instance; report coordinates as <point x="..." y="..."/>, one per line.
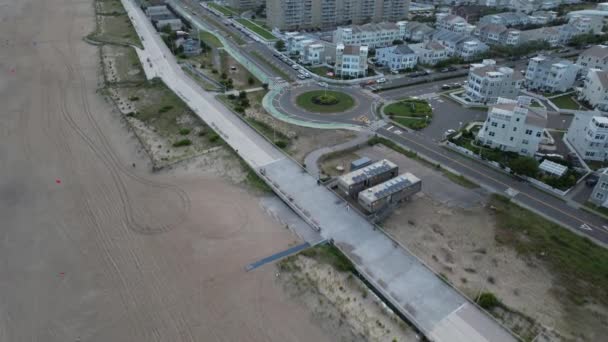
<point x="438" y="310"/>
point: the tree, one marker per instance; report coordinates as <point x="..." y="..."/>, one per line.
<point x="166" y="29"/>
<point x="250" y="80"/>
<point x="397" y="42"/>
<point x="525" y="166"/>
<point x="279" y="45"/>
<point x="265" y="86"/>
<point x="242" y="94"/>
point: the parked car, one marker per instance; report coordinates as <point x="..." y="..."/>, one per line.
<point x="381" y="80"/>
<point x="302" y="77"/>
<point x="591" y="180"/>
<point x="444" y="70"/>
<point x="449" y="132"/>
<point x="323" y="84"/>
<point x="295" y="66"/>
<point x="446" y="87"/>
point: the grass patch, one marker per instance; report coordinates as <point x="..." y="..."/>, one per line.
<point x="211" y="40"/>
<point x="343" y="101"/>
<point x="565" y="102"/>
<point x="222" y="9"/>
<point x="115" y="29"/>
<point x="257" y="29"/>
<point x="413" y="123"/>
<point x="273" y="67"/>
<point x="278" y="138"/>
<point x="109" y="7"/>
<point x="579" y="264"/>
<point x="459" y="179"/>
<point x="331" y="255"/>
<point x="321" y="71"/>
<point x="410" y="108"/>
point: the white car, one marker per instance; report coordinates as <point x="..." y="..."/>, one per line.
<point x="449" y="132"/>
<point x="295" y="66"/>
<point x="381" y="80"/>
<point x="323" y="84"/>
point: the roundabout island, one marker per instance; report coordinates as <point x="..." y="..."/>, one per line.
<point x="325" y="101"/>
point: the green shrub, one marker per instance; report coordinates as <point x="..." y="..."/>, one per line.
<point x="202" y="133"/>
<point x="488" y="300"/>
<point x="184" y="131"/>
<point x="213" y="137"/>
<point x="134" y="98"/>
<point x="280" y="143"/>
<point x="183" y="142"/>
<point x="165" y="109"/>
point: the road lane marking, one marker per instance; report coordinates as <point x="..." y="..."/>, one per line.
<point x="388" y="129"/>
<point x="585" y="226"/>
<point x="495" y="180"/>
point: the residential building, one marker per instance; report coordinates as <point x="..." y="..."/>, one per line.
<point x="497" y="34"/>
<point x="598" y="16"/>
<point x="303" y="14"/>
<point x="543" y="17"/>
<point x="508" y="19"/>
<point x="417" y="32"/>
<point x="372" y="35"/>
<point x="487" y="82"/>
<point x="314" y="53"/>
<point x="588" y="135"/>
<point x="452" y="23"/>
<point x="351" y="60"/>
<point x="550" y="74"/>
<point x="354" y="182"/>
<point x="470" y="13"/>
<point x="175" y="24"/>
<point x="398" y="57"/>
<point x="191" y="46"/>
<point x="389" y="193"/>
<point x="155" y="11"/>
<point x="596" y="57"/>
<point x="430" y="53"/>
<point x="514" y="125"/>
<point x="554" y="35"/>
<point x="458" y="44"/>
<point x="595" y="89"/>
<point x="599" y="195"/>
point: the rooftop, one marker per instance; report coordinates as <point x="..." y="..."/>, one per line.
<point x="367" y="172"/>
<point x="389" y="187"/>
<point x="553" y="168"/>
<point x="597" y="51"/>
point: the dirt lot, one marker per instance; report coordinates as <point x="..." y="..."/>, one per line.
<point x="455" y="231"/>
<point x="121" y="64"/>
<point x="92" y="249"/>
<point x="340" y="302"/>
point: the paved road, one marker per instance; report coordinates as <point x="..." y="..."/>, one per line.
<point x="311" y="160"/>
<point x="549" y="206"/>
<point x="435" y="307"/>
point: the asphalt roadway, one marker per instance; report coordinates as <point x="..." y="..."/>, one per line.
<point x="549" y="206"/>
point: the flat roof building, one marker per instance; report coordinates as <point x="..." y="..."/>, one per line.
<point x="353" y="182"/>
<point x="390" y="192"/>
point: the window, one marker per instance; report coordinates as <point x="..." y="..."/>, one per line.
<point x="604" y="186"/>
<point x="523" y="150"/>
<point x="491" y="134"/>
<point x="517" y="119"/>
<point x="494" y="124"/>
<point x="528" y="132"/>
<point x="514" y="129"/>
<point x="538" y="134"/>
<point x="511" y="139"/>
<point x="599" y="195"/>
<point x="525" y="142"/>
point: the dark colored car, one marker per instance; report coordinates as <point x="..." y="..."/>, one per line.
<point x="591" y="180"/>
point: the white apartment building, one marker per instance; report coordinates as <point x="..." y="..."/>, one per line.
<point x="595" y="89"/>
<point x="372" y="35"/>
<point x="596" y="57"/>
<point x="551" y="75"/>
<point x="398" y="57"/>
<point x="487" y="82"/>
<point x="430" y="53"/>
<point x="599" y="196"/>
<point x="244" y="4"/>
<point x="588" y="134"/>
<point x="470" y="49"/>
<point x="452" y="23"/>
<point x="351" y="60"/>
<point x="304" y="14"/>
<point x="314" y="54"/>
<point x="513" y="125"/>
<point x="458" y="44"/>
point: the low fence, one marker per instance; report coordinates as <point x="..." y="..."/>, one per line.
<point x="504" y="169"/>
